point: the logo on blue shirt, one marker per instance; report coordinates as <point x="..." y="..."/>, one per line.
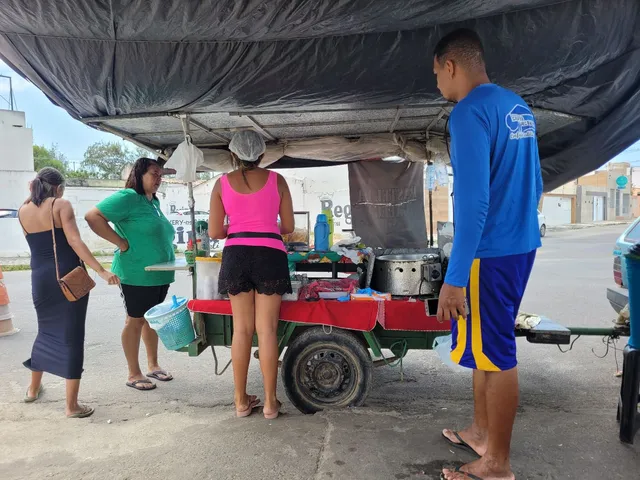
<point x="521" y="123"/>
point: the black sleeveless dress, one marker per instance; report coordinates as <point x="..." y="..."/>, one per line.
<point x="59" y="346"/>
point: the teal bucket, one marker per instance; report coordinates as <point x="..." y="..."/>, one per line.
<point x="172" y="322"/>
<point x="633" y="277"/>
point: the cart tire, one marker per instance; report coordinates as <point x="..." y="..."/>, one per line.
<point x="326" y="370"/>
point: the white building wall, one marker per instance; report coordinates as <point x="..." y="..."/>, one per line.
<point x="82" y="199"/>
<point x="312" y="189"/>
<point x="175" y="195"/>
<point x="635" y="177"/>
<point x="324" y="187"/>
<point x="16" y="158"/>
<point x="570" y="188"/>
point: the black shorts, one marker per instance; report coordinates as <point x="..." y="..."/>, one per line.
<point x="263" y="269"/>
<point x="139" y="300"/>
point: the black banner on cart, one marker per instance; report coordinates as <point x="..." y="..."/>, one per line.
<point x="387" y="203"/>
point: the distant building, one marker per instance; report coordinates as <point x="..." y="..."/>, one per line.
<point x="635" y="191"/>
<point x="16" y="159"/>
<point x="604" y="195"/>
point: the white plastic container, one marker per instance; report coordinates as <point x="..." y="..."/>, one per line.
<point x="332" y="295"/>
<point x="292" y="297"/>
<point x="207" y="273"/>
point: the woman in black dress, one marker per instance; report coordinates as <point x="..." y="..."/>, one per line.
<point x="59" y="345"/>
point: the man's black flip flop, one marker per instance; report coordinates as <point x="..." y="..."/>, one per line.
<point x="468" y="475"/>
<point x="166" y="376"/>
<point x="135" y="384"/>
<point x="460" y="443"/>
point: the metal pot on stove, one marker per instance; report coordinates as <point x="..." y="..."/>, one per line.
<point x="407" y="275"/>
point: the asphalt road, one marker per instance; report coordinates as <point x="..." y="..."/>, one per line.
<point x="566" y="428"/>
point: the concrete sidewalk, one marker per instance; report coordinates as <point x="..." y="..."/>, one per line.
<point x="566" y="426"/>
<point x="151" y="439"/>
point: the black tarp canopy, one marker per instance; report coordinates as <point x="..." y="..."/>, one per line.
<point x="297" y="69"/>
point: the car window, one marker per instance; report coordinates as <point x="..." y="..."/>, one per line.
<point x="634" y="234"/>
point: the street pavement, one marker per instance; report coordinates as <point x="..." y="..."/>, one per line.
<point x="566" y="427"/>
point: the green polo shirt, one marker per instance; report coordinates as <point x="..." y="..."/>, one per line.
<point x="150" y="235"/>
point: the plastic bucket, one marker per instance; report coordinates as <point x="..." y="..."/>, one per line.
<point x="442" y="346"/>
<point x="207" y="273"/>
<point x="172" y="322"/>
<point x="633" y="277"/>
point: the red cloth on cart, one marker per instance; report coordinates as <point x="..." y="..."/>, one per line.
<point x="348" y="315"/>
<point x="405" y="315"/>
<point x="354" y="315"/>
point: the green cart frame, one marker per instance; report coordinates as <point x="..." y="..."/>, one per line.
<point x="328" y="367"/>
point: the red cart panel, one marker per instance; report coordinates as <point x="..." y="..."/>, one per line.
<point x="354" y="315"/>
<point x="348" y="315"/>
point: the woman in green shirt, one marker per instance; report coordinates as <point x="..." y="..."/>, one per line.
<point x="143" y="237"/>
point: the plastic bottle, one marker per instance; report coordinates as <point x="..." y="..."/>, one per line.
<point x="190" y="253"/>
<point x="321" y="234"/>
<point x="329" y="215"/>
<point x="202" y="236"/>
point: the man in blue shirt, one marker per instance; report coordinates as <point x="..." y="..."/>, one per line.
<point x="497" y="186"/>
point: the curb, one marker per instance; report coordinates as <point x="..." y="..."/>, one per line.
<point x="583" y="226"/>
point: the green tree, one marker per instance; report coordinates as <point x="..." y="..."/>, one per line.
<point x="108" y="159"/>
<point x="48" y="157"/>
<point x="80" y="173"/>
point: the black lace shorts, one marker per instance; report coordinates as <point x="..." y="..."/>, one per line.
<point x="263" y="269"/>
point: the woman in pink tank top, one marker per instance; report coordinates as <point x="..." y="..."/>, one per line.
<point x="255" y="271"/>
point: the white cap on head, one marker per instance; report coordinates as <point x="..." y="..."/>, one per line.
<point x="247" y="145"/>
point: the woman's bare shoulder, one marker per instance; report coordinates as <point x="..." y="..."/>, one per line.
<point x="282" y="182"/>
<point x="63" y="208"/>
<point x="63" y="204"/>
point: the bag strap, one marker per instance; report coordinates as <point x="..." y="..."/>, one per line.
<point x="55" y="246"/>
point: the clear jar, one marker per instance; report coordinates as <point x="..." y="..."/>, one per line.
<point x="207" y="273"/>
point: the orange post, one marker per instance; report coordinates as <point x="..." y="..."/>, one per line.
<point x="6" y="318"/>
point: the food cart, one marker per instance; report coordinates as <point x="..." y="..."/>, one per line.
<point x="331" y="347"/>
<point x="328" y="83"/>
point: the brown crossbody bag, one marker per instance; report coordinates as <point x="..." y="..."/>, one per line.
<point x="77" y="283"/>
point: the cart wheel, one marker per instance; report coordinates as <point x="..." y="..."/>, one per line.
<point x="321" y="370"/>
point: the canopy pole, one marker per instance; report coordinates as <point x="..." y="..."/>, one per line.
<point x="192" y="203"/>
<point x="187" y="136"/>
<point x="431" y="218"/>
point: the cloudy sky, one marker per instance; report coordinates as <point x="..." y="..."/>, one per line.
<point x="52" y="125"/>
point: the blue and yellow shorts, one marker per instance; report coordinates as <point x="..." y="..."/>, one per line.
<point x="486" y="339"/>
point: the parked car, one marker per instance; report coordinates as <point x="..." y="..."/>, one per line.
<point x="542" y="222"/>
<point x="618" y="296"/>
<point x="8" y="213"/>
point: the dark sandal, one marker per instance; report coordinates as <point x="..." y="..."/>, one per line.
<point x="144" y="381"/>
<point x="166" y="376"/>
<point x="460" y="443"/>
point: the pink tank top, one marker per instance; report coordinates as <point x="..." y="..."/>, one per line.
<point x="255" y="212"/>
